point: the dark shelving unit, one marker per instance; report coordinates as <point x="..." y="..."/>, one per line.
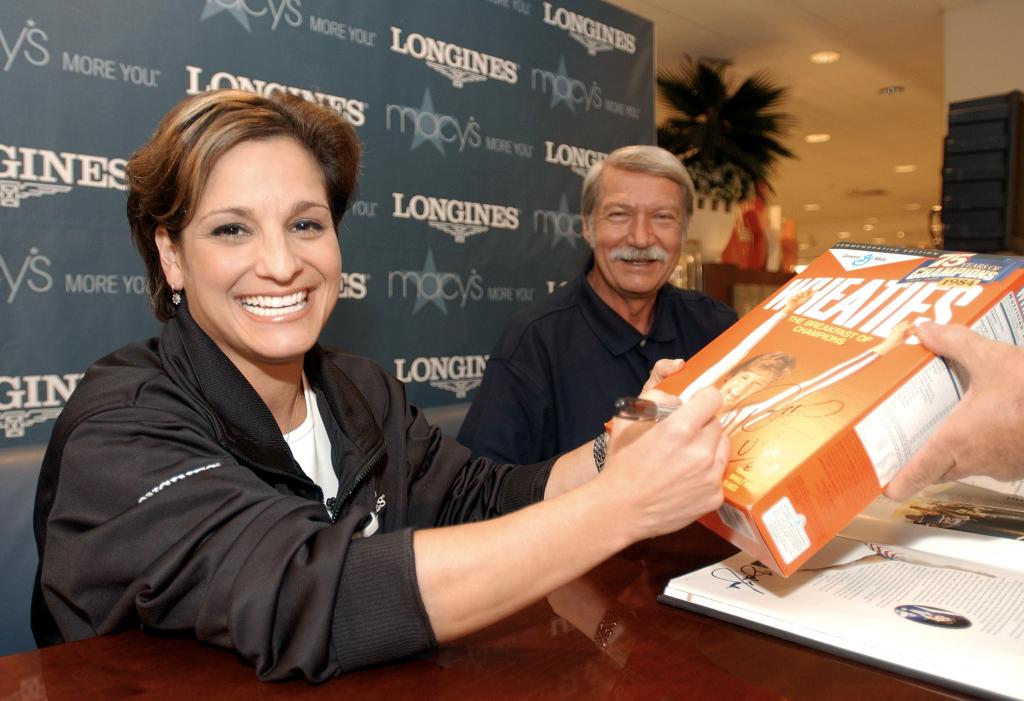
<point x="981" y="176"/>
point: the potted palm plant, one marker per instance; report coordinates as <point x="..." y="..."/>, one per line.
<point x="728" y="139"/>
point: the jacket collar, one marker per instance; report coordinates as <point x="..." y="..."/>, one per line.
<point x="347" y="403"/>
<point x="246" y="425"/>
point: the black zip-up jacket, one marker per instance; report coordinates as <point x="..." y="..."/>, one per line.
<point x="168" y="499"/>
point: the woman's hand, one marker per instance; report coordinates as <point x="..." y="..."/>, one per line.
<point x="658" y="478"/>
<point x="669" y="473"/>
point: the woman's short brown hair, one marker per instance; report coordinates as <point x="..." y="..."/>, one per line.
<point x="166" y="176"/>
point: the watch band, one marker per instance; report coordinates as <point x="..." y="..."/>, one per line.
<point x="600" y="450"/>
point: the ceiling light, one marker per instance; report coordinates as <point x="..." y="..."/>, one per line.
<point x="799" y="269"/>
<point x="823" y="57"/>
<point x="889" y="90"/>
<point x="906" y="168"/>
<point x="803" y="246"/>
<point x="843" y="234"/>
<point x="817" y="138"/>
<point x="878" y="239"/>
<point x="912" y="206"/>
<point x="900" y="234"/>
<point x="868" y="227"/>
<point x="812" y="207"/>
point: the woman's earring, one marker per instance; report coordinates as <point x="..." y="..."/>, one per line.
<point x="175" y="297"/>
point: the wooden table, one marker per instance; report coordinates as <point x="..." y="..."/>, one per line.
<point x="644" y="650"/>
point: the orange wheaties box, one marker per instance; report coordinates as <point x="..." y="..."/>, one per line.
<point x="827" y="391"/>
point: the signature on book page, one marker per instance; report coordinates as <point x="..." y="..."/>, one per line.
<point x="746" y="577"/>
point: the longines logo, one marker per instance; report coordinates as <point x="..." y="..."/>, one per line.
<point x="593" y="35"/>
<point x="242" y="10"/>
<point x="352" y="110"/>
<point x="31" y="272"/>
<point x="561" y="224"/>
<point x="435" y="128"/>
<point x="457" y="218"/>
<point x="430" y="286"/>
<point x="353" y="286"/>
<point x="575" y="158"/>
<point x="455" y="373"/>
<point x="565" y="90"/>
<point x="32" y="399"/>
<point x="33" y="172"/>
<point x="456" y="63"/>
<point x="28" y="45"/>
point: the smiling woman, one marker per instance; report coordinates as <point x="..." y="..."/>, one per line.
<point x="235" y="481"/>
<point x="260" y="265"/>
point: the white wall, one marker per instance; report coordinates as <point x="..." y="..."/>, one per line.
<point x="984" y="50"/>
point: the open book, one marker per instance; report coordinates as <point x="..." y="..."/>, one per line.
<point x="932" y="588"/>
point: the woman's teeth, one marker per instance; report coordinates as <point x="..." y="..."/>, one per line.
<point x="265" y="305"/>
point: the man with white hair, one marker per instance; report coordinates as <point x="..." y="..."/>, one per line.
<point x="560" y="364"/>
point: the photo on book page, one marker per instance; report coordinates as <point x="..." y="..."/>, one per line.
<point x="979" y="526"/>
<point x="970" y="508"/>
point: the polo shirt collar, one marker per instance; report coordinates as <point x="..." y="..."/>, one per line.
<point x="615" y="332"/>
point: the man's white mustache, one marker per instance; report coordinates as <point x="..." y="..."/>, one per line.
<point x="632" y="253"/>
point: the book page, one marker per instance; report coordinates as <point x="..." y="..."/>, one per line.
<point x="946" y="623"/>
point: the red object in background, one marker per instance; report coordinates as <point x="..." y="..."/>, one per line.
<point x="789" y="248"/>
<point x="748" y="245"/>
<point x="737" y="251"/>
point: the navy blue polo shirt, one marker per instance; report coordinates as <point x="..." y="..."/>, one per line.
<point x="560" y="364"/>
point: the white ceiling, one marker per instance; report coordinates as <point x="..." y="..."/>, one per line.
<point x="882" y="43"/>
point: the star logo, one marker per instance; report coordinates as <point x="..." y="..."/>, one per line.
<point x="215" y="7"/>
<point x="420" y="136"/>
<point x="562" y="88"/>
<point x="565" y="225"/>
<point x="429" y="288"/>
